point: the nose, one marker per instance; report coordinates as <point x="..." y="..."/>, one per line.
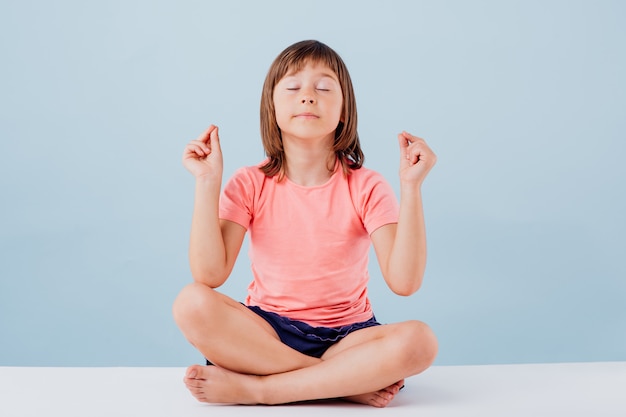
<point x="307" y="95"/>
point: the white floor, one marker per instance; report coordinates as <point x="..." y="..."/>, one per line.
<point x="581" y="389"/>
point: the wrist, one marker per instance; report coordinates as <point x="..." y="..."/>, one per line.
<point x="209" y="183"/>
<point x="411" y="188"/>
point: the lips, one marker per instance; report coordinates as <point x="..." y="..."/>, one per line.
<point x="306" y="115"/>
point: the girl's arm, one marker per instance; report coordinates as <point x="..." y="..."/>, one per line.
<point x="214" y="244"/>
<point x="401" y="248"/>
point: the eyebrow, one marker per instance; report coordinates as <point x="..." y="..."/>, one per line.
<point x="330" y="75"/>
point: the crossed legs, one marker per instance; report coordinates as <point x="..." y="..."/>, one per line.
<point x="255" y="367"/>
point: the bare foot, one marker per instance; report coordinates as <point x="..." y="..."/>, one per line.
<point x="378" y="399"/>
<point x="212" y="384"/>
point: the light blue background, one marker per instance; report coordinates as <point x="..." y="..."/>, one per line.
<point x="523" y="101"/>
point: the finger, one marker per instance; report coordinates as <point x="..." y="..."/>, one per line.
<point x="409" y="137"/>
<point x="404" y="146"/>
<point x="403" y="141"/>
<point x="414" y="152"/>
<point x="193" y="150"/>
<point x="407" y="140"/>
<point x="419" y="146"/>
<point x="204" y="137"/>
<point x="414" y="140"/>
<point x="200" y="145"/>
<point x="423" y="154"/>
<point x="410" y="147"/>
<point x="215" y="140"/>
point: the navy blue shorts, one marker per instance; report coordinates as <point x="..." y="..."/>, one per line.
<point x="312" y="341"/>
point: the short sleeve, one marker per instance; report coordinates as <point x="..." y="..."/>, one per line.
<point x="236" y="200"/>
<point x="376" y="201"/>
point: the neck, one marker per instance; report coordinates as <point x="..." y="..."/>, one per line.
<point x="308" y="165"/>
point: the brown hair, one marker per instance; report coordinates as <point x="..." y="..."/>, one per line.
<point x="346" y="146"/>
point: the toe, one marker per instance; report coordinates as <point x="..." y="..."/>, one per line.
<point x="379" y="401"/>
<point x="194" y="371"/>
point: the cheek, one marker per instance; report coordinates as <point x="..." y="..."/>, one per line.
<point x="278" y="109"/>
<point x="280" y="122"/>
<point x="279" y="113"/>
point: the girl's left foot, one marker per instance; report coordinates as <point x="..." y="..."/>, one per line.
<point x="212" y="384"/>
<point x="380" y="398"/>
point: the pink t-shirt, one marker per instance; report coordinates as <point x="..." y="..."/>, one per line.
<point x="309" y="246"/>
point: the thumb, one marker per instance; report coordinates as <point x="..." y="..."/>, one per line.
<point x="404" y="143"/>
<point x="215" y="140"/>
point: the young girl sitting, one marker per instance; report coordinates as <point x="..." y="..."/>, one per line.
<point x="306" y="330"/>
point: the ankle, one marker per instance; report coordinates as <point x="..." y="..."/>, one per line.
<point x="257" y="390"/>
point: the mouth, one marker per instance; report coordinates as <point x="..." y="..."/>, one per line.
<point x="306" y="115"/>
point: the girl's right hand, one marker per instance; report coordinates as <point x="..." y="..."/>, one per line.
<point x="203" y="156"/>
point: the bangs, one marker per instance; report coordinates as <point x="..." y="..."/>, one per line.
<point x="296" y="59"/>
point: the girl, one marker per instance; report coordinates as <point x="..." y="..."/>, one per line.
<point x="307" y="330"/>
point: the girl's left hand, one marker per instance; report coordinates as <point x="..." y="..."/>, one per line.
<point x="416" y="159"/>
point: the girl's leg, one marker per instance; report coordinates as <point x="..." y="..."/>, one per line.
<point x="232" y="336"/>
<point x="366" y="361"/>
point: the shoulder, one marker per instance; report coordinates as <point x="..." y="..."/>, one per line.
<point x="368" y="186"/>
<point x="249" y="175"/>
<point x="252" y="171"/>
<point x="365" y="178"/>
<point x="373" y="198"/>
<point x="245" y="183"/>
<point x="241" y="193"/>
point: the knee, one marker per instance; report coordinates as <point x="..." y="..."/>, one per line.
<point x="420" y="345"/>
<point x="194" y="300"/>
